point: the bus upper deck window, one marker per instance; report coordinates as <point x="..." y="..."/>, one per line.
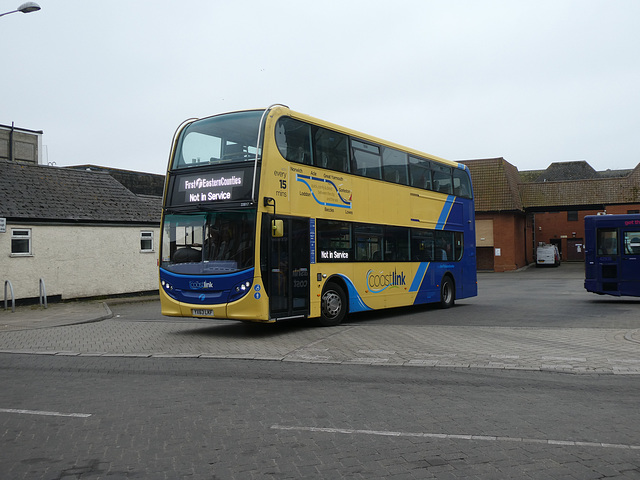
<point x="394" y="165"/>
<point x="442" y="179"/>
<point x="227" y="138"/>
<point x="420" y="173"/>
<point x="366" y="159"/>
<point x="294" y="140"/>
<point x="332" y="150"/>
<point x="461" y="183"/>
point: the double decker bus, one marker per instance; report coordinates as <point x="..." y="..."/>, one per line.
<point x="612" y="254"/>
<point x="273" y="214"/>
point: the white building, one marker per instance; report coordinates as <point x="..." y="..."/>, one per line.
<point x="81" y="231"/>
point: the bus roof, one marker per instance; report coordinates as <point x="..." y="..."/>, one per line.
<point x="283" y="110"/>
<point x="612" y="220"/>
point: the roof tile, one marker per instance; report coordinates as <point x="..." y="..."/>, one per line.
<point x="37" y="192"/>
<point x="498" y="186"/>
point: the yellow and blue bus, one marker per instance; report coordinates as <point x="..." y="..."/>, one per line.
<point x="612" y="254"/>
<point x="273" y="214"/>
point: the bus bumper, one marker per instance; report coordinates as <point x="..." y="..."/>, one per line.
<point x="248" y="308"/>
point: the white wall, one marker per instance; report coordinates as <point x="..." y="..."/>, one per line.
<point x="80" y="261"/>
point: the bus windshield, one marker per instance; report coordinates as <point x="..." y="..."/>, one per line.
<point x="218" y="140"/>
<point x="208" y="243"/>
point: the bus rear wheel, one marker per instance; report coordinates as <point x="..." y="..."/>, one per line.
<point x="447" y="293"/>
<point x="333" y="305"/>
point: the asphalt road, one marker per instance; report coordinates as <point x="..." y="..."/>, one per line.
<point x="93" y="418"/>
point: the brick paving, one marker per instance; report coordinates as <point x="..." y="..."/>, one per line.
<point x="90" y="328"/>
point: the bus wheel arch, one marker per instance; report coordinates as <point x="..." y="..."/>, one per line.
<point x="447" y="291"/>
<point x="334" y="303"/>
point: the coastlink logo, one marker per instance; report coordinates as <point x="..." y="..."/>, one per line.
<point x="378" y="282"/>
<point x="198" y="285"/>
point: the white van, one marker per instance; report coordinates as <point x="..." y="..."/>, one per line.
<point x="547" y="255"/>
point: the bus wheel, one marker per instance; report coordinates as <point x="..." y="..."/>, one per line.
<point x="447" y="293"/>
<point x="334" y="305"/>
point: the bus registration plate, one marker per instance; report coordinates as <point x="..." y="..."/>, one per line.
<point x="202" y="312"/>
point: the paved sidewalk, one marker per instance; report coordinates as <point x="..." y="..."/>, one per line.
<point x="55" y="315"/>
<point x="90" y="328"/>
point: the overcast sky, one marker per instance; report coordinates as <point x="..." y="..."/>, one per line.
<point x="535" y="82"/>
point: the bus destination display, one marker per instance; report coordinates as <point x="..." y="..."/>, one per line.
<point x="212" y="187"/>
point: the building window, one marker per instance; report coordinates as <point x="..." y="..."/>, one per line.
<point x="633" y="211"/>
<point x="572" y="216"/>
<point x="21" y="241"/>
<point x="146" y="241"/>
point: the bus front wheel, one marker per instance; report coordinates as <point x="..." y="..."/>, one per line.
<point x="447" y="293"/>
<point x="334" y="305"/>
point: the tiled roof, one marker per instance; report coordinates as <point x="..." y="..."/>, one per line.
<point x="498" y="186"/>
<point x="138" y="182"/>
<point x="614" y="173"/>
<point x="495" y="185"/>
<point x="606" y="191"/>
<point x="37" y="192"/>
<point x="528" y="176"/>
<point x="561" y="171"/>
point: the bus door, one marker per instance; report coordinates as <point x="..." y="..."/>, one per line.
<point x="288" y="267"/>
<point x="630" y="264"/>
<point x="608" y="260"/>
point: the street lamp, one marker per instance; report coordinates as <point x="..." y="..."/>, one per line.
<point x="26" y="7"/>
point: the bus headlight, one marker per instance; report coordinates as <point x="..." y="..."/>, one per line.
<point x="240" y="290"/>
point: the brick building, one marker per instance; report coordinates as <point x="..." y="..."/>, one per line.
<point x="515" y="211"/>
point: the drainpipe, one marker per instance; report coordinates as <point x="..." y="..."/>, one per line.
<point x="11" y="143"/>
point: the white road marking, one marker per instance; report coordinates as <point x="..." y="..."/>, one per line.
<point x="39" y="412"/>
<point x="490" y="438"/>
<point x="377" y="352"/>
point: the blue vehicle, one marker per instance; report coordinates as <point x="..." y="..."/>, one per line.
<point x="612" y="254"/>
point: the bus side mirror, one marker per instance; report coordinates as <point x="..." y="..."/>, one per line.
<point x="277" y="228"/>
